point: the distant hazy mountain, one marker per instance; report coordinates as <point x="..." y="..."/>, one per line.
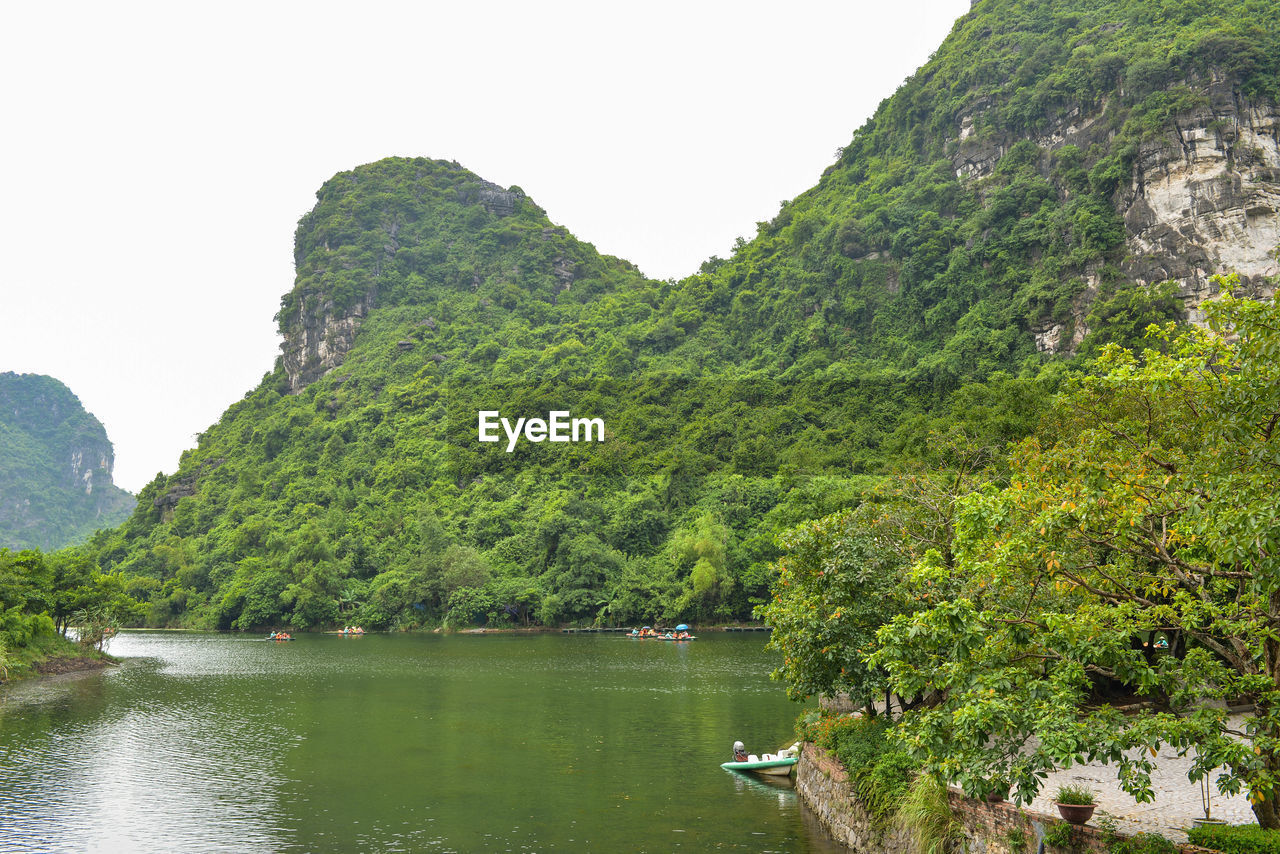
<point x="55" y="467"/>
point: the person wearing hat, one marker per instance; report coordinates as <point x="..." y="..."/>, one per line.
<point x="739" y="752"/>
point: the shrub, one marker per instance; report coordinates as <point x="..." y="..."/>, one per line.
<point x="1143" y="843"/>
<point x="1058" y="835"/>
<point x="859" y="744"/>
<point x="879" y="772"/>
<point x="926" y="816"/>
<point x="1239" y="839"/>
<point x="886" y="784"/>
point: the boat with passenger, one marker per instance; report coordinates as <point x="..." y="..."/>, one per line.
<point x="679" y="633"/>
<point x="774" y="764"/>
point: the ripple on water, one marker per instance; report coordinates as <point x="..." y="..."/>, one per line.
<point x="205" y="742"/>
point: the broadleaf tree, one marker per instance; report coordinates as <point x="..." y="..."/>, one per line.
<point x="1136" y="548"/>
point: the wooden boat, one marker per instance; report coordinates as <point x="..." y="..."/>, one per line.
<point x="767" y="764"/>
<point x="634" y="635"/>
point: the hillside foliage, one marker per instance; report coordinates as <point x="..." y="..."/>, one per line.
<point x="801" y="377"/>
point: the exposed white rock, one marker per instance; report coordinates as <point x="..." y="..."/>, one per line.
<point x="1204" y="199"/>
<point x="319" y="340"/>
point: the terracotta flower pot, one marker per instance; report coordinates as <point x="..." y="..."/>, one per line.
<point x="1075" y="813"/>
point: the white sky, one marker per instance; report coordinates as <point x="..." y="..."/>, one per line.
<point x="158" y="156"/>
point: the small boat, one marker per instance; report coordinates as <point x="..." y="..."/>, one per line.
<point x="776" y="764"/>
<point x="767" y="764"/>
<point x="279" y="637"/>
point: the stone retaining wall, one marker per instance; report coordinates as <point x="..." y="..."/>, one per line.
<point x="987" y="828"/>
<point x="823" y="785"/>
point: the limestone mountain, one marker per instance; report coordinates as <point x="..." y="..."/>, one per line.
<point x="55" y="467"/>
<point x="1052" y="179"/>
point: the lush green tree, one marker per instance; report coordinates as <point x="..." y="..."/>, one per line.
<point x="47" y="594"/>
<point x="845" y="576"/>
<point x="1144" y="511"/>
<point x="839" y="582"/>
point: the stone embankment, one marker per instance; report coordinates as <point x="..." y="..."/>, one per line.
<point x="985" y="828"/>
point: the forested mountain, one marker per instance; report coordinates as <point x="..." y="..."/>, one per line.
<point x="1050" y="180"/>
<point x="55" y="467"/>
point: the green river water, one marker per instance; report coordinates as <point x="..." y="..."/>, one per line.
<point x="546" y="742"/>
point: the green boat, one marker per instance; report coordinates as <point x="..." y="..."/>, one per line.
<point x="768" y="764"/>
<point x="775" y="764"/>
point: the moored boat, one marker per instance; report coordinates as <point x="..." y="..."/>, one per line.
<point x="767" y="764"/>
<point x="774" y="764"/>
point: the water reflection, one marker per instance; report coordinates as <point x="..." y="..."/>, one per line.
<point x="204" y="742"/>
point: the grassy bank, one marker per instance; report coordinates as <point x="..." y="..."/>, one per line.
<point x="48" y="655"/>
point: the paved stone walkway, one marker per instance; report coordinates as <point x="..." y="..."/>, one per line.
<point x="1176" y="804"/>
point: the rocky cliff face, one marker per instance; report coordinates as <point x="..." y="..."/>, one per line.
<point x="1203" y="198"/>
<point x="320" y="335"/>
<point x="319" y="326"/>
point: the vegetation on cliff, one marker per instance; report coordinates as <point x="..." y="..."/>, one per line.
<point x="55" y="467"/>
<point x="803" y="376"/>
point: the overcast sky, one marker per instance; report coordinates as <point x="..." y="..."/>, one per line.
<point x="158" y="156"/>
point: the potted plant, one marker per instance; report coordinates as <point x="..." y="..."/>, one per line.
<point x="1075" y="803"/>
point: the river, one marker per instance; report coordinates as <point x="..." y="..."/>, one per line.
<point x="388" y="743"/>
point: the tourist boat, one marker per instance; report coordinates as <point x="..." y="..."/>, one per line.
<point x="774" y="764"/>
<point x="648" y="634"/>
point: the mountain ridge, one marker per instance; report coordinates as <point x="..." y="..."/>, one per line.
<point x="938" y="277"/>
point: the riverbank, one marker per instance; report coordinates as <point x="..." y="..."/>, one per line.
<point x="461" y="630"/>
<point x="51" y="655"/>
<point x="1003" y="828"/>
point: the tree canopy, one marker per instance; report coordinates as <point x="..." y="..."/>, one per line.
<point x="1134" y="549"/>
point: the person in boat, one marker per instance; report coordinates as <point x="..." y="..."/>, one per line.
<point x="739" y="752"/>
